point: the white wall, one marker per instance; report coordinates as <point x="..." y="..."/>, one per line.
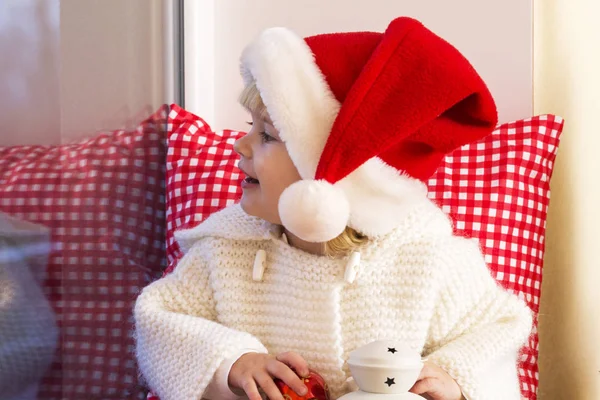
<point x="111" y="54"/>
<point x="217" y="31"/>
<point x="29" y="72"/>
<point x="567" y="82"/>
<point x="70" y="68"/>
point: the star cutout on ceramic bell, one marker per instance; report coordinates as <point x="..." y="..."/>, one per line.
<point x="384" y="370"/>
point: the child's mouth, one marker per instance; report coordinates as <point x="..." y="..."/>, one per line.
<point x="251" y="181"/>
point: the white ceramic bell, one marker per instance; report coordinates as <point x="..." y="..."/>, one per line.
<point x="384" y="370"/>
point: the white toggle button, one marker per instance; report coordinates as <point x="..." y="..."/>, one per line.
<point x="259" y="265"/>
<point x="352" y="267"/>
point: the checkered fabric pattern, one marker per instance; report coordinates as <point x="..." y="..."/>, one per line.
<point x="496" y="190"/>
<point x="103" y="200"/>
<point x="202" y="176"/>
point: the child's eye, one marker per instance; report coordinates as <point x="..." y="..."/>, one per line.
<point x="249" y="123"/>
<point x="266" y="137"/>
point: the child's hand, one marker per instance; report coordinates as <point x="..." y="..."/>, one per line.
<point x="435" y="384"/>
<point x="252" y="370"/>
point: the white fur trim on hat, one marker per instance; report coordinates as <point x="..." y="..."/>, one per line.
<point x="297" y="96"/>
<point x="315" y="211"/>
<point x="380" y="196"/>
<point x="374" y="199"/>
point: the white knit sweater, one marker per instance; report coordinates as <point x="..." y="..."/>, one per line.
<point x="418" y="284"/>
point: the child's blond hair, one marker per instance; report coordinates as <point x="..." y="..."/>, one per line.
<point x="350" y="239"/>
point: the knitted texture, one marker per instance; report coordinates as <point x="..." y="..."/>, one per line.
<point x="181" y="307"/>
<point x="418" y="284"/>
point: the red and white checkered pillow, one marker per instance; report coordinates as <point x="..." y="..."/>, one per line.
<point x="103" y="200"/>
<point x="496" y="190"/>
<point x="202" y="176"/>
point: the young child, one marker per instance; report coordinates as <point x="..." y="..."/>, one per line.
<point x="335" y="244"/>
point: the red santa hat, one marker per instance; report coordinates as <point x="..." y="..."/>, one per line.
<point x="366" y="118"/>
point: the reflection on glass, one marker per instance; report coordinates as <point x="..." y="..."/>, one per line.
<point x="28" y="331"/>
<point x="82" y="215"/>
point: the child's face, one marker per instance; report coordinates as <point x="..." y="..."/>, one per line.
<point x="268" y="167"/>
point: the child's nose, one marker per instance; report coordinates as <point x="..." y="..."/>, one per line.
<point x="242" y="147"/>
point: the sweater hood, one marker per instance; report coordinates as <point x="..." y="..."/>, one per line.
<point x="425" y="219"/>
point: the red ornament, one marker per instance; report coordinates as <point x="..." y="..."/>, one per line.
<point x="316" y="385"/>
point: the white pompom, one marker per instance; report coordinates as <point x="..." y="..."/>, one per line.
<point x="315" y="211"/>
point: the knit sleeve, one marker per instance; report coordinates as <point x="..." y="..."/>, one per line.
<point x="478" y="328"/>
<point x="179" y="346"/>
